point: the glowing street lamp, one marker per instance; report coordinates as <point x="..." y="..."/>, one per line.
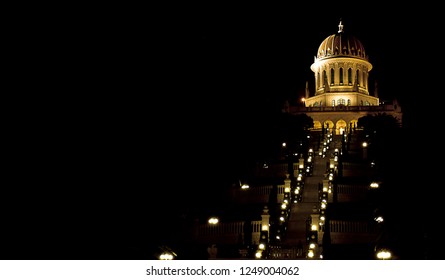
<point x="383" y="254"/>
<point x="213" y="221"/>
<point x="258" y="254"/>
<point x="245" y="186"/>
<point x="379" y="219"/>
<point x="310" y="254"/>
<point x="166" y="256"/>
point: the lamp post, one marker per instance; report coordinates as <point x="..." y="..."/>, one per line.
<point x="213" y="250"/>
<point x="365" y="150"/>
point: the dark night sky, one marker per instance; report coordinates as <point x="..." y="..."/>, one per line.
<point x="219" y="74"/>
<point x="127" y="104"/>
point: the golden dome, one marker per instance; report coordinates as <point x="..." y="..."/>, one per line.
<point x="341" y="44"/>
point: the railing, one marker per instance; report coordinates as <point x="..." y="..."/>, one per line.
<point x="279" y="253"/>
<point x="352" y="189"/>
<point x="348" y="193"/>
<point x="343" y="108"/>
<point x="257" y="194"/>
<point x="351" y="226"/>
<point x="352" y="232"/>
<point x="229" y="232"/>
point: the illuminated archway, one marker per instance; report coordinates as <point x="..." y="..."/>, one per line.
<point x="329" y="124"/>
<point x="353" y="124"/>
<point x="340" y="126"/>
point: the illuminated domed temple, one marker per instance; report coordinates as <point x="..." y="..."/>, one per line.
<point x="320" y="197"/>
<point x="341" y="69"/>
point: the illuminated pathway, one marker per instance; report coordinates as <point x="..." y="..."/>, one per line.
<point x="301" y="211"/>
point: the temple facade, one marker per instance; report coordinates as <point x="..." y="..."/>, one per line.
<point x="342" y="92"/>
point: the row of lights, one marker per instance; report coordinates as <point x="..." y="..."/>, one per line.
<point x="326" y="189"/>
<point x="383" y="253"/>
<point x="292" y="194"/>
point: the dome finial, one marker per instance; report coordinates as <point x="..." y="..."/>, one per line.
<point x="340" y="27"/>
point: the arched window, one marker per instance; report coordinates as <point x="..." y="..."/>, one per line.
<point x="349" y="76"/>
<point x="357" y="80"/>
<point x="332" y="76"/>
<point x="349" y="102"/>
<point x="316" y="104"/>
<point x="341" y="101"/>
<point x="325" y="78"/>
<point x="341" y="76"/>
<point x="364" y="79"/>
<point x="367" y="103"/>
<point x="333" y="103"/>
<point x="318" y="79"/>
<point x="361" y="102"/>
